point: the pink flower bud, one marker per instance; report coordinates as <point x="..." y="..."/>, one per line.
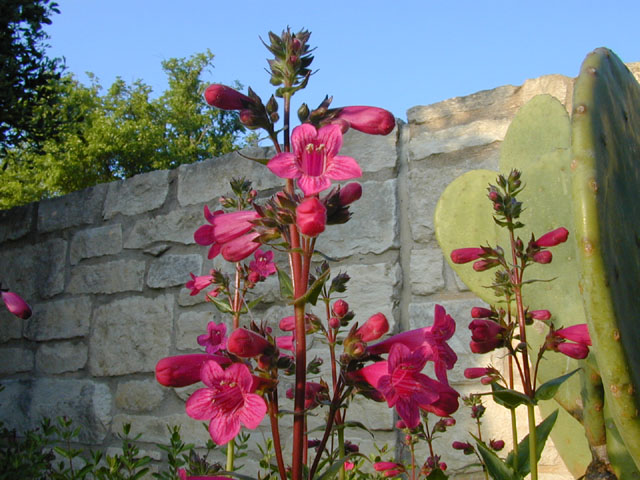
<point x="543" y="256"/>
<point x="540" y="314"/>
<point x="334" y="322"/>
<point x="226" y="98"/>
<point x="311" y="217"/>
<point x="374" y="328"/>
<point x="573" y="350"/>
<point x="466" y="447"/>
<point x="480" y="312"/>
<point x="245" y="343"/>
<point x="466" y="255"/>
<point x="371" y="120"/>
<point x="484" y="264"/>
<point x="496" y="445"/>
<point x="350" y="193"/>
<point x="486" y="335"/>
<point x="340" y="308"/>
<point x="16" y="305"/>
<point x="553" y="238"/>
<point x="288" y="324"/>
<point x="183" y="370"/>
<point x="475" y="372"/>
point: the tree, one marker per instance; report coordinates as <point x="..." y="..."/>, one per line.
<point x="28" y="90"/>
<point x="121" y="133"/>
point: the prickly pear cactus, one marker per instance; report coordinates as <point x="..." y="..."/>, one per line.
<point x="606" y="200"/>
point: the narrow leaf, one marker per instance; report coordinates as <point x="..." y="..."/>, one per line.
<point x="547" y="390"/>
<point x="311" y="295"/>
<point x="222" y="305"/>
<point x="542" y="433"/>
<point x="286" y="287"/>
<point x="497" y="468"/>
<point x="509" y="398"/>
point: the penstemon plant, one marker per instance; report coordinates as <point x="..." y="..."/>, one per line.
<point x="504" y="326"/>
<point x="242" y="369"/>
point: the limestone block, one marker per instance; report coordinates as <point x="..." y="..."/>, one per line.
<point x="428" y="179"/>
<point x="60" y="357"/>
<point x="185" y="299"/>
<point x="77" y="208"/>
<point x="427" y="271"/>
<point x="35" y="270"/>
<point x="153" y="428"/>
<point x="176" y="226"/>
<point x="16" y="222"/>
<point x="10" y="326"/>
<point x="139" y="395"/>
<point x="130" y="335"/>
<point x="139" y="194"/>
<point x="372" y="152"/>
<point x="373" y="227"/>
<point x="172" y="270"/>
<point x="192" y="324"/>
<point x="66" y="318"/>
<point x="15" y="400"/>
<point x="15" y="360"/>
<point x="374" y="415"/>
<point x="96" y="242"/>
<point x="205" y="182"/>
<point x="107" y="277"/>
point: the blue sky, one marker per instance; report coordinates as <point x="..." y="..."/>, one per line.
<point x="390" y="54"/>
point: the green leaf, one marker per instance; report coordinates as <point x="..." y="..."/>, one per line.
<point x="330" y="472"/>
<point x="437" y="475"/>
<point x="497" y="468"/>
<point x="311" y="295"/>
<point x="547" y="390"/>
<point x="542" y="433"/>
<point x="286" y="287"/>
<point x="509" y="398"/>
<point x="222" y="305"/>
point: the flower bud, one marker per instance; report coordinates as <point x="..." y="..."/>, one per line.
<point x="16" y="305"/>
<point x="553" y="238"/>
<point x="226" y="98"/>
<point x="540" y="314"/>
<point x="475" y="372"/>
<point x="334" y="322"/>
<point x="466" y="255"/>
<point x="340" y="308"/>
<point x="311" y="217"/>
<point x="480" y="312"/>
<point x="543" y="256"/>
<point x="350" y="193"/>
<point x="374" y="328"/>
<point x="466" y="447"/>
<point x="371" y="120"/>
<point x="245" y="343"/>
<point x="486" y="335"/>
<point x="183" y="370"/>
<point x="496" y="445"/>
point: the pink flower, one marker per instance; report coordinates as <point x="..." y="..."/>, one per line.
<point x="486" y="335"/>
<point x="390" y="469"/>
<point x="228" y="233"/>
<point x="314" y="392"/>
<point x="314" y="161"/>
<point x="466" y="255"/>
<point x="199" y="283"/>
<point x="576" y="333"/>
<point x="311" y="217"/>
<point x="245" y="343"/>
<point x="16" y="305"/>
<point x="553" y="238"/>
<point x="374" y="328"/>
<point x="226" y="98"/>
<point x="263" y="263"/>
<point x="371" y="120"/>
<point x="475" y="372"/>
<point x="285" y="342"/>
<point x="215" y="339"/>
<point x="183" y="370"/>
<point x="349" y="466"/>
<point x="227" y="401"/>
<point x="288" y="324"/>
<point x="556" y="341"/>
<point x="466" y="447"/>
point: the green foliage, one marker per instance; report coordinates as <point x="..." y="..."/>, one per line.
<point x="121" y="132"/>
<point x="28" y="96"/>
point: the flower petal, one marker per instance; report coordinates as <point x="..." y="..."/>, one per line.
<point x="331" y="137"/>
<point x="284" y="165"/>
<point x="302" y="136"/>
<point x="200" y="404"/>
<point x="311" y="185"/>
<point x="342" y="168"/>
<point x="253" y="411"/>
<point x="211" y="373"/>
<point x="224" y="428"/>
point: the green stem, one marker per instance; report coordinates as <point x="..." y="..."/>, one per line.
<point x="514" y="435"/>
<point x="342" y="451"/>
<point x="230" y="454"/>
<point x="533" y="456"/>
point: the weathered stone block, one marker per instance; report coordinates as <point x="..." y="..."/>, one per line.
<point x="96" y="242"/>
<point x="10" y="326"/>
<point x="16" y="222"/>
<point x="153" y="428"/>
<point x="427" y="271"/>
<point x="204" y="182"/>
<point x="60" y="357"/>
<point x="139" y="194"/>
<point x="35" y="270"/>
<point x="130" y="335"/>
<point x="172" y="270"/>
<point x="176" y="226"/>
<point x="15" y="360"/>
<point x="373" y="228"/>
<point x="108" y="277"/>
<point x="139" y="395"/>
<point x="77" y="208"/>
<point x="65" y="318"/>
<point x="372" y="152"/>
<point x="192" y="324"/>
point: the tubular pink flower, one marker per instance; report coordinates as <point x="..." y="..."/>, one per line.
<point x="375" y="327"/>
<point x="576" y="333"/>
<point x="227" y="401"/>
<point x="199" y="283"/>
<point x="285" y="342"/>
<point x="245" y="343"/>
<point x="263" y="263"/>
<point x="371" y="120"/>
<point x="315" y="160"/>
<point x="466" y="255"/>
<point x="557" y="341"/>
<point x="183" y="370"/>
<point x="229" y="234"/>
<point x="215" y="339"/>
<point x="311" y="217"/>
<point x="226" y="98"/>
<point x="553" y="238"/>
<point x="486" y="335"/>
<point x="475" y="372"/>
<point x="16" y="305"/>
<point x="573" y="350"/>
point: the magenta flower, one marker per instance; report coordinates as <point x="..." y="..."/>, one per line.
<point x="199" y="283"/>
<point x="183" y="370"/>
<point x="486" y="335"/>
<point x="227" y="401"/>
<point x="215" y="339"/>
<point x="553" y="238"/>
<point x="16" y="305"/>
<point x="228" y="233"/>
<point x="466" y="255"/>
<point x="557" y="341"/>
<point x="314" y="393"/>
<point x="245" y="343"/>
<point x="226" y="98"/>
<point x="371" y="120"/>
<point x="389" y="469"/>
<point x="263" y="263"/>
<point x="315" y="160"/>
<point x="375" y="327"/>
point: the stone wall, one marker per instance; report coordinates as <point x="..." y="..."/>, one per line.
<point x="105" y="269"/>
